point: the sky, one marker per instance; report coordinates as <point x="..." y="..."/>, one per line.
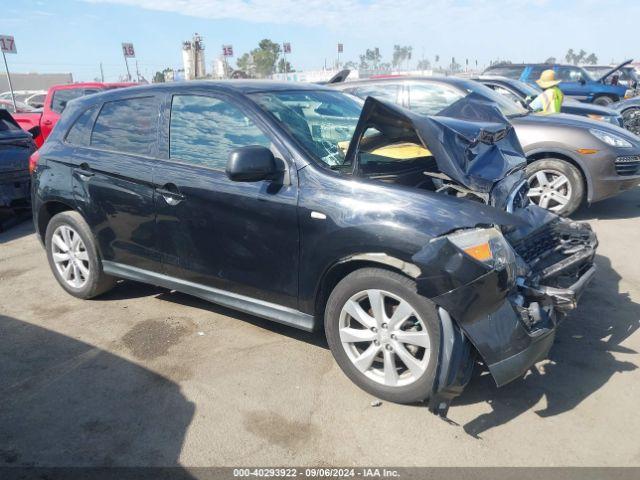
<point x="76" y="35"/>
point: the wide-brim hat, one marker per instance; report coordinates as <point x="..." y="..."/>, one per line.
<point x="547" y="79"/>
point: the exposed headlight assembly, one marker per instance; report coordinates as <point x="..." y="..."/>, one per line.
<point x="487" y="245"/>
<point x="610" y="138"/>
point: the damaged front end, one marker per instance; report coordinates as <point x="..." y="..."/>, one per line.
<point x="507" y="311"/>
<point x="500" y="288"/>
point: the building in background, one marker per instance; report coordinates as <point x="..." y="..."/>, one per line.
<point x="34" y="81"/>
<point x="193" y="58"/>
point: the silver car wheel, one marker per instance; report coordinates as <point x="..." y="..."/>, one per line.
<point x="550" y="189"/>
<point x="70" y="256"/>
<point x="384" y="338"/>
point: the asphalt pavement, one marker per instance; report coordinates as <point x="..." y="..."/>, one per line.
<point x="144" y="376"/>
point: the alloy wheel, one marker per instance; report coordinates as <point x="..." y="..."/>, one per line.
<point x="631" y="120"/>
<point x="70" y="256"/>
<point x="384" y="337"/>
<point x="550" y="189"/>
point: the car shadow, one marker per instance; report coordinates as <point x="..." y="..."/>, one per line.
<point x="65" y="403"/>
<point x="625" y="205"/>
<point x="580" y="362"/>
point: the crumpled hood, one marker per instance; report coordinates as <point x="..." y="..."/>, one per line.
<point x="614" y="69"/>
<point x="471" y="141"/>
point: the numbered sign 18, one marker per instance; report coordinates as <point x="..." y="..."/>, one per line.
<point x="7" y="44"/>
<point x="128" y="51"/>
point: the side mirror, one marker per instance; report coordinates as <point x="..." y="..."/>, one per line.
<point x="251" y="164"/>
<point x="582" y="81"/>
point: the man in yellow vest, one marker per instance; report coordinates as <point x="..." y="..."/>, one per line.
<point x="550" y="100"/>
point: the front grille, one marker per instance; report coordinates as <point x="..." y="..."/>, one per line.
<point x="539" y="243"/>
<point x="628" y="165"/>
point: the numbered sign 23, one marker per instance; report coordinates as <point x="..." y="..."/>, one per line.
<point x="128" y="51"/>
<point x="7" y="44"/>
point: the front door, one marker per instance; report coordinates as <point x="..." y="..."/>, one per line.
<point x="234" y="236"/>
<point x="572" y="82"/>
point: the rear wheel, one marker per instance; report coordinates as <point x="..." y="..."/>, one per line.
<point x="604" y="100"/>
<point x="73" y="256"/>
<point x="383" y="335"/>
<point x="555" y="185"/>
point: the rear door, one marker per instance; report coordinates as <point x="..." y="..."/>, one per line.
<point x="235" y="236"/>
<point x="114" y="150"/>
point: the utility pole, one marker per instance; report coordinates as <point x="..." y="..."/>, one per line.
<point x="101" y="72"/>
<point x="137" y="72"/>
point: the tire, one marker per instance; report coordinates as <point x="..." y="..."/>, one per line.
<point x="572" y="192"/>
<point x="411" y="385"/>
<point x="87" y="282"/>
<point x="604" y="101"/>
<point x="631" y="119"/>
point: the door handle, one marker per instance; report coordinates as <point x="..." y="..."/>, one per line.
<point x="47" y="122"/>
<point x="170" y="194"/>
<point x="84" y="172"/>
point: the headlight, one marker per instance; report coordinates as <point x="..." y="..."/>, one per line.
<point x="487" y="245"/>
<point x="610" y="138"/>
<point x="629" y="93"/>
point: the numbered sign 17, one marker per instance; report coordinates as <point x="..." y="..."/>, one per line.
<point x="128" y="51"/>
<point x="7" y="44"/>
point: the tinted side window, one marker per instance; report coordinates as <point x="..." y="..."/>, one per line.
<point x="569" y="74"/>
<point x="127" y="126"/>
<point x="203" y="130"/>
<point x="80" y="132"/>
<point x="387" y="92"/>
<point x="429" y="99"/>
<point x="510" y="72"/>
<point x="62" y="97"/>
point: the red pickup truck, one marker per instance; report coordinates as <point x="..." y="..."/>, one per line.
<point x="40" y="123"/>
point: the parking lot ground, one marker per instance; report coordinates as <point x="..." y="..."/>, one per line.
<point x="144" y="376"/>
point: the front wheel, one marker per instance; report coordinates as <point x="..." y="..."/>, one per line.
<point x="383" y="335"/>
<point x="631" y="120"/>
<point x="555" y="185"/>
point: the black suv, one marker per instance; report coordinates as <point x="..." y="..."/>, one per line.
<point x="408" y="238"/>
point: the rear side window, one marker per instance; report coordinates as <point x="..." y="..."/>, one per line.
<point x="127" y="126"/>
<point x="388" y="92"/>
<point x="204" y="130"/>
<point x="506" y="71"/>
<point x="431" y="98"/>
<point x="80" y="132"/>
<point x="62" y="97"/>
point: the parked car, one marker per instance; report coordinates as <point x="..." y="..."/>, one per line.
<point x="294" y="203"/>
<point x="16" y="146"/>
<point x="524" y="93"/>
<point x="629" y="109"/>
<point x="622" y="75"/>
<point x="33" y="98"/>
<point x="570" y="159"/>
<point x="41" y="123"/>
<point x="9" y="107"/>
<point x="575" y="81"/>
